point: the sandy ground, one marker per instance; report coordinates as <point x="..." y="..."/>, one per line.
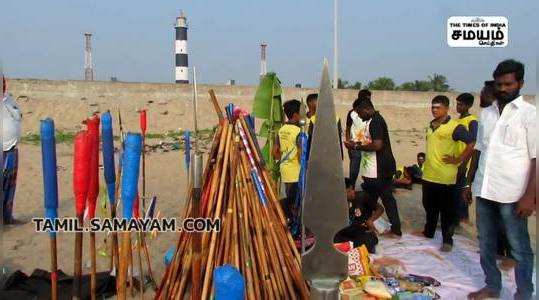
<point x="26" y="250"/>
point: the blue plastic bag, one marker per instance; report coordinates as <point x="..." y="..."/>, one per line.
<point x="228" y="283"/>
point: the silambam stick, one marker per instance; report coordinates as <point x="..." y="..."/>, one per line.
<point x="275" y="275"/>
<point x="183" y="241"/>
<point x="50" y="192"/>
<point x="262" y="275"/>
<point x="274" y="245"/>
<point x="180" y="263"/>
<point x="250" y="263"/>
<point x="141" y="275"/>
<point x="131" y="165"/>
<point x="267" y="280"/>
<point x="110" y="179"/>
<point x="93" y="192"/>
<point x="186" y="267"/>
<point x="217" y="176"/>
<point x="226" y="235"/>
<point x="244" y="254"/>
<point x="256" y="165"/>
<point x="131" y="268"/>
<point x="235" y="260"/>
<point x="211" y="164"/>
<point x="81" y="178"/>
<point x="250" y="140"/>
<point x="293" y="265"/>
<point x="274" y="263"/>
<point x="216" y="106"/>
<point x="274" y="202"/>
<point x="235" y="235"/>
<point x="209" y="264"/>
<point x="123" y="265"/>
<point x="221" y="237"/>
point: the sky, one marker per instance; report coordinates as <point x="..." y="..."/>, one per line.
<point x="133" y="40"/>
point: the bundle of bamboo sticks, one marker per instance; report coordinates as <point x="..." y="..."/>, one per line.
<point x="254" y="236"/>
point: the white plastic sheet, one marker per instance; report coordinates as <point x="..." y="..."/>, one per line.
<point x="458" y="271"/>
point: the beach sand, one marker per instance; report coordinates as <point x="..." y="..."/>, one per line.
<point x="26" y="250"/>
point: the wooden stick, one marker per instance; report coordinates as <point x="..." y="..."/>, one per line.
<point x="77" y="282"/>
<point x="141" y="273"/>
<point x="148" y="262"/>
<point x="245" y="263"/>
<point x="211" y="162"/>
<point x="182" y="244"/>
<point x="196" y="238"/>
<point x="115" y="246"/>
<point x="266" y="278"/>
<point x="253" y="237"/>
<point x="115" y="255"/>
<point x="131" y="268"/>
<point x="209" y="264"/>
<point x="216" y="106"/>
<point x="143" y="126"/>
<point x="54" y="268"/>
<point x="124" y="262"/>
<point x="94" y="263"/>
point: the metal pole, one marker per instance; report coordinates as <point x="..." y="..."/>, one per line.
<point x="195" y="102"/>
<point x="196" y="180"/>
<point x="335" y="46"/>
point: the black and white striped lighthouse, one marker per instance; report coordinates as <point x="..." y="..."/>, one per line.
<point x="181" y="74"/>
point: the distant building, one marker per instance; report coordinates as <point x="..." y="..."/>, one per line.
<point x="231" y="82"/>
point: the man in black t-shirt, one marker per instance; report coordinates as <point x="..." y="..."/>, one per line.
<point x="377" y="162"/>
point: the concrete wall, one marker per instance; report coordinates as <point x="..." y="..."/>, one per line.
<point x="170" y="105"/>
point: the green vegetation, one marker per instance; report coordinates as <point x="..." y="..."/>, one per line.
<point x="61" y="137"/>
<point x="68" y="137"/>
<point x="433" y="83"/>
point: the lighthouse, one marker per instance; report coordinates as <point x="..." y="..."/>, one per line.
<point x="181" y="74"/>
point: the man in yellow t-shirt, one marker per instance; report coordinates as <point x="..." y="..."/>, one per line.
<point x="464" y="103"/>
<point x="312" y="103"/>
<point x="440" y="170"/>
<point x="288" y="150"/>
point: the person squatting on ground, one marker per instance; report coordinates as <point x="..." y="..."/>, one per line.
<point x="363" y="211"/>
<point x="502" y="174"/>
<point x="11" y="132"/>
<point x="377" y="162"/>
<point x="353" y="133"/>
<point x="440" y="170"/>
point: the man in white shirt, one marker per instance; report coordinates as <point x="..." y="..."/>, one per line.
<point x="354" y="134"/>
<point x="503" y="176"/>
<point x="11" y="131"/>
